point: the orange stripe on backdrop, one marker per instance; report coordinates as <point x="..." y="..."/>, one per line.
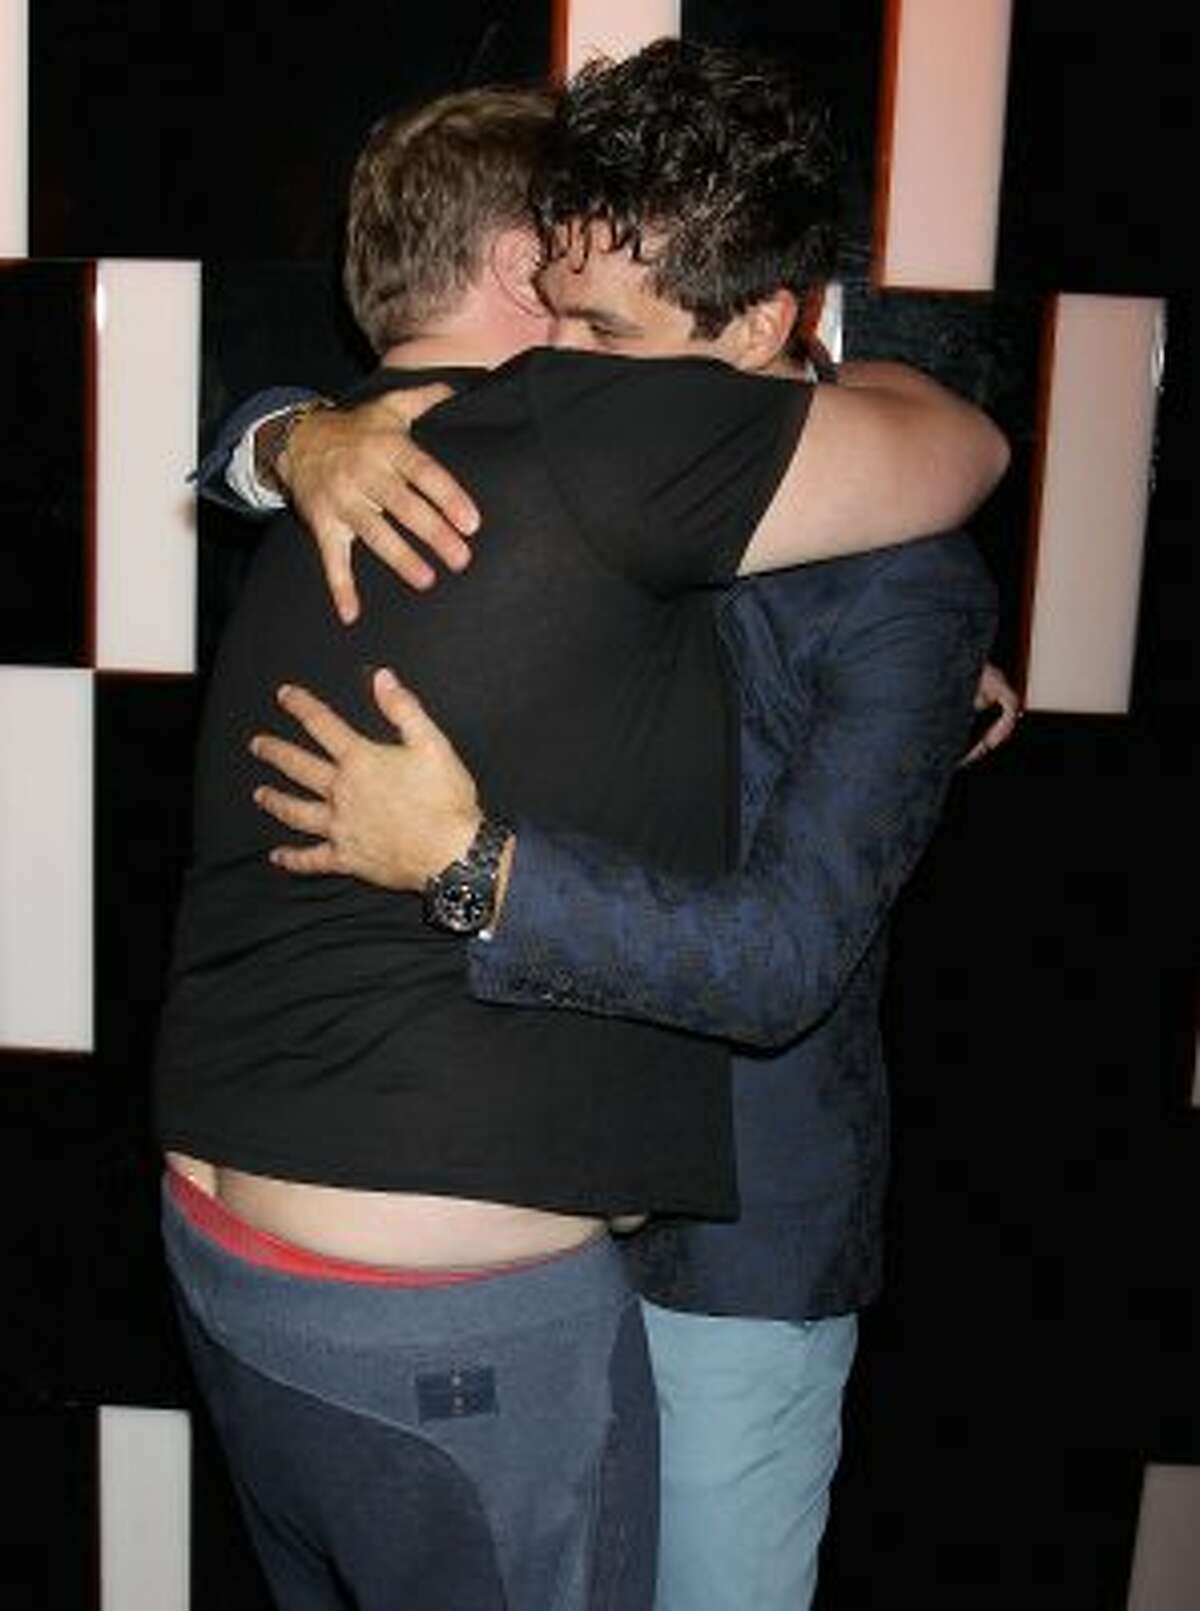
<point x="559" y="29"/>
<point x="889" y="47"/>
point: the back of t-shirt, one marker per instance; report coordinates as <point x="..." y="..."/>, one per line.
<point x="318" y="1029"/>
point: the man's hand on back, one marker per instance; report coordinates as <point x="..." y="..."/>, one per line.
<point x="351" y="473"/>
<point x="995" y="693"/>
<point x="390" y="814"/>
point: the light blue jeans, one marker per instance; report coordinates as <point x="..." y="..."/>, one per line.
<point x="750" y="1430"/>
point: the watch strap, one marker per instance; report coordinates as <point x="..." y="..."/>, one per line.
<point x="478" y="869"/>
<point x="486" y="848"/>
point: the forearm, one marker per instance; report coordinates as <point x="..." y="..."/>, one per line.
<point x="760" y="955"/>
<point x="755" y="957"/>
<point x="587" y="928"/>
<point x="886" y="456"/>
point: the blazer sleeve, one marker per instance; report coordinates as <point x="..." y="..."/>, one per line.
<point x="209" y="474"/>
<point x="761" y="955"/>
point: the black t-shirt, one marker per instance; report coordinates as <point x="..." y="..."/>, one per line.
<point x="318" y="1029"/>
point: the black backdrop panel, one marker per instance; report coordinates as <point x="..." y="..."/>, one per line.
<point x="203" y="131"/>
<point x="1032" y="1348"/>
<point x="45" y="313"/>
<point x="835" y="48"/>
<point x="987" y="348"/>
<point x="145" y="734"/>
<point x="272" y="323"/>
<point x="1101" y="126"/>
<point x="50" y="1557"/>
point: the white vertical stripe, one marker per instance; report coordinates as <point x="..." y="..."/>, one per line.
<point x="46" y="727"/>
<point x="145" y="1489"/>
<point x="148" y="341"/>
<point x="616" y="28"/>
<point x="830" y="326"/>
<point x="14" y="128"/>
<point x="946" y="144"/>
<point x="1096" y="484"/>
<point x="1166" y="1559"/>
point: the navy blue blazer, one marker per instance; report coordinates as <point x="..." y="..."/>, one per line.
<point x="856" y="679"/>
<point x="855" y="682"/>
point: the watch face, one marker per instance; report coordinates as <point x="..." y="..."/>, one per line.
<point x="461" y="899"/>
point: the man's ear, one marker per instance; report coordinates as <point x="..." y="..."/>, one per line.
<point x="515" y="256"/>
<point x="760" y="335"/>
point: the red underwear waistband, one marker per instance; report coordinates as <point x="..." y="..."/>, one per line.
<point x="214" y="1219"/>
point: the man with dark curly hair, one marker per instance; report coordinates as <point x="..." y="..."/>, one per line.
<point x="713" y="169"/>
<point x="686" y="208"/>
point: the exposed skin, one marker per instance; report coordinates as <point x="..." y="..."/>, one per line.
<point x="389" y="470"/>
<point x="395" y="814"/>
<point x="390" y="814"/>
<point x="995" y="692"/>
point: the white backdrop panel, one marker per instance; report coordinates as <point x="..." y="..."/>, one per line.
<point x="14" y="128"/>
<point x="1103" y="391"/>
<point x="946" y="144"/>
<point x="616" y="28"/>
<point x="148" y="338"/>
<point x="1166" y="1561"/>
<point x="46" y="739"/>
<point x="145" y="1487"/>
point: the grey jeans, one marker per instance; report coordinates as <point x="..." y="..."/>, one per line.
<point x="485" y="1445"/>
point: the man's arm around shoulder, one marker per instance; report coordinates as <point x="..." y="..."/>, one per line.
<point x="886" y="453"/>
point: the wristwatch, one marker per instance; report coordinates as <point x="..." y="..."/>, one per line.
<point x="271" y="441"/>
<point x="462" y="897"/>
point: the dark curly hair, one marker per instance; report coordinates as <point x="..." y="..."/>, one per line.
<point x="711" y="165"/>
